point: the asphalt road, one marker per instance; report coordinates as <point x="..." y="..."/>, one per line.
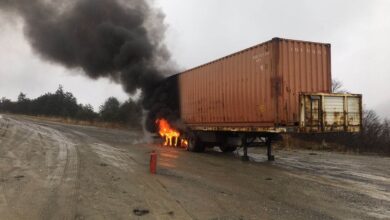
<point x="57" y="171"/>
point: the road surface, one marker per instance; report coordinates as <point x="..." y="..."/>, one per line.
<point x="57" y="171"/>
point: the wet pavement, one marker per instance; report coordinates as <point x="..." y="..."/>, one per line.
<point x="56" y="171"/>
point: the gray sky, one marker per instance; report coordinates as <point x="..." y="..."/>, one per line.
<point x="200" y="31"/>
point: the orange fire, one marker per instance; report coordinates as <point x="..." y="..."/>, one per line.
<point x="170" y="135"/>
<point x="184" y="143"/>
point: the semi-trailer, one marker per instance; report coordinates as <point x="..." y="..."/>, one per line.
<point x="279" y="86"/>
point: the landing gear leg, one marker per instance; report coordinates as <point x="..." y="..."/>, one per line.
<point x="269" y="149"/>
<point x="245" y="146"/>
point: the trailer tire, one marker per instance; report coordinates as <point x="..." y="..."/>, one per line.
<point x="195" y="145"/>
<point x="227" y="149"/>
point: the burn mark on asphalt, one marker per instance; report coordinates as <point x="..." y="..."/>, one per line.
<point x="140" y="212"/>
<point x="19" y="177"/>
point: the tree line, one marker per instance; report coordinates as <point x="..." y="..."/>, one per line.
<point x="64" y="104"/>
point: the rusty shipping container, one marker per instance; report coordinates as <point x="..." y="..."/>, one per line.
<point x="261" y="89"/>
<point x="324" y="112"/>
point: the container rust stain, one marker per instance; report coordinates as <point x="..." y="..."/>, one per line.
<point x="325" y="112"/>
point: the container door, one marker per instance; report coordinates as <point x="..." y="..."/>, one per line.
<point x="334" y="109"/>
<point x="323" y="112"/>
<point x="354" y="119"/>
<point x="312" y="113"/>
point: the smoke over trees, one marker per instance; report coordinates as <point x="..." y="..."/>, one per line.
<point x="120" y="40"/>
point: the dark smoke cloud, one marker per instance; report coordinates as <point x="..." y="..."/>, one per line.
<point x="120" y="40"/>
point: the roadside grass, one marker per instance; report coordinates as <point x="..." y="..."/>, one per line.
<point x="291" y="142"/>
<point x="71" y="121"/>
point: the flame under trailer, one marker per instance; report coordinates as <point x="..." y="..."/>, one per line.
<point x="279" y="86"/>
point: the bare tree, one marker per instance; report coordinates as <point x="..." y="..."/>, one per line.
<point x="337" y="87"/>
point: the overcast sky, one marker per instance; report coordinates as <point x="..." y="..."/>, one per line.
<point x="200" y="31"/>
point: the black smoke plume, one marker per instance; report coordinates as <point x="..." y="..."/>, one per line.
<point x="117" y="39"/>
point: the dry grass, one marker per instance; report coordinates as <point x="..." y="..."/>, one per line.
<point x="71" y="121"/>
<point x="290" y="142"/>
<point x="293" y="142"/>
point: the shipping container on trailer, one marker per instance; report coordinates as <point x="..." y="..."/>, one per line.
<point x="278" y="86"/>
<point x="324" y="112"/>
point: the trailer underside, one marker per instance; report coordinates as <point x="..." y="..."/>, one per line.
<point x="229" y="141"/>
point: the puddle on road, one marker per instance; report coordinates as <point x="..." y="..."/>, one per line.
<point x="359" y="178"/>
<point x="379" y="213"/>
<point x="168" y="159"/>
<point x="368" y="176"/>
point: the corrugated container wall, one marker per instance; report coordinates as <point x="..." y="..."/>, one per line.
<point x="258" y="87"/>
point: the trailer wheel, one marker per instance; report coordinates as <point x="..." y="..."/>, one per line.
<point x="227" y="149"/>
<point x="195" y="145"/>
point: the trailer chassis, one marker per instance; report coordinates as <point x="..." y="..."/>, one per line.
<point x="199" y="140"/>
<point x="268" y="138"/>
